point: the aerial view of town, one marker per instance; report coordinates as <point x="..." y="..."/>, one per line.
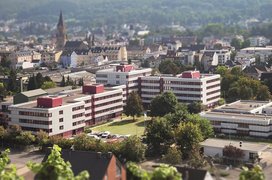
<point x="135" y="89"/>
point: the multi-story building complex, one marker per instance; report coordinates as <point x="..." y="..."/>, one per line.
<point x="24" y="59"/>
<point x="188" y="87"/>
<point x="262" y="52"/>
<point x="245" y="118"/>
<point x="113" y="52"/>
<point x="122" y="75"/>
<point x="258" y="41"/>
<point x="223" y="55"/>
<point x="68" y="112"/>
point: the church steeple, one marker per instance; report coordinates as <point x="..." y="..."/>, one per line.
<point x="61" y="33"/>
<point x="60" y="23"/>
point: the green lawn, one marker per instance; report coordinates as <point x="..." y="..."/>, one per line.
<point x="124" y="126"/>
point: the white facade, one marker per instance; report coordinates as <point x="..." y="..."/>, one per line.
<point x="223" y="55"/>
<point x="263" y="52"/>
<point x="76" y="111"/>
<point x="246" y="118"/>
<point x="205" y="89"/>
<point x="214" y="148"/>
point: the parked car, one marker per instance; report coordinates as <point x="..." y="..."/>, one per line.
<point x="105" y="134"/>
<point x="93" y="136"/>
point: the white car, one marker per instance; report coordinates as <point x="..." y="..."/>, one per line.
<point x="93" y="136"/>
<point x="105" y="134"/>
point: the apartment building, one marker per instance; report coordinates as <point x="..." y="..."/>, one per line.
<point x="188" y="87"/>
<point x="122" y="75"/>
<point x="262" y="52"/>
<point x="67" y="113"/>
<point x="244" y="118"/>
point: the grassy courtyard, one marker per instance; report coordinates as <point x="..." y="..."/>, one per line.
<point x="125" y="126"/>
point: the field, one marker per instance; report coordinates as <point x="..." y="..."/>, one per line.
<point x="125" y="126"/>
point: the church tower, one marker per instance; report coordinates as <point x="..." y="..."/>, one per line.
<point x="61" y="33"/>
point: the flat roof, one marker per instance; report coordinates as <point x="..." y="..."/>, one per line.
<point x="68" y="97"/>
<point x="242" y="105"/>
<point x="237" y="116"/>
<point x="246" y="146"/>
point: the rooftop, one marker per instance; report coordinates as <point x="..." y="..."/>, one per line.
<point x="247" y="146"/>
<point x="243" y="106"/>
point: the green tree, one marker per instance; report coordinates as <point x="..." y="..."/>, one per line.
<point x="222" y="70"/>
<point x="134" y="105"/>
<point x="159" y="135"/>
<point x="163" y="104"/>
<point x="236" y="71"/>
<point x="166" y="172"/>
<point x="237" y="43"/>
<point x="63" y="83"/>
<point x="7" y="172"/>
<point x="32" y="83"/>
<point x="197" y="160"/>
<point x="173" y="156"/>
<point x="132" y="149"/>
<point x="178" y="116"/>
<point x="204" y="124"/>
<point x="42" y="138"/>
<point x="25" y="138"/>
<point x="56" y="168"/>
<point x="39" y="80"/>
<point x="134" y="172"/>
<point x="48" y="85"/>
<point x="3" y="91"/>
<point x="255" y="173"/>
<point x="195" y="107"/>
<point x="169" y="67"/>
<point x="263" y="93"/>
<point x="12" y="83"/>
<point x="188" y="135"/>
<point x="233" y="153"/>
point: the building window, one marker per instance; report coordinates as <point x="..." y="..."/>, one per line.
<point x="60" y="119"/>
<point x="61" y="112"/>
<point x="61" y="127"/>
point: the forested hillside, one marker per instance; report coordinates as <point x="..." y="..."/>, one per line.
<point x="152" y="12"/>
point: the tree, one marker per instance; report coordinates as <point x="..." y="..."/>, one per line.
<point x="255" y="173"/>
<point x="42" y="138"/>
<point x="63" y="83"/>
<point x="81" y="82"/>
<point x="166" y="172"/>
<point x="169" y="67"/>
<point x="236" y="71"/>
<point x="7" y="171"/>
<point x="39" y="80"/>
<point x="204" y="124"/>
<point x="233" y="153"/>
<point x="197" y="160"/>
<point x="237" y="43"/>
<point x="263" y="93"/>
<point x="32" y="83"/>
<point x="159" y="135"/>
<point x="48" y="85"/>
<point x="134" y="105"/>
<point x="12" y="83"/>
<point x="25" y="138"/>
<point x="188" y="136"/>
<point x="178" y="116"/>
<point x="132" y="149"/>
<point x="173" y="156"/>
<point x="3" y="91"/>
<point x="222" y="70"/>
<point x="55" y="168"/>
<point x="134" y="172"/>
<point x="195" y="107"/>
<point x="163" y="104"/>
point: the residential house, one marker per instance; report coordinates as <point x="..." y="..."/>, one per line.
<point x="256" y="71"/>
<point x="100" y="166"/>
<point x="113" y="52"/>
<point x="208" y="60"/>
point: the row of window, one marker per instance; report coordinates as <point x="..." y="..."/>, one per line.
<point x="212" y="98"/>
<point x="78" y="115"/>
<point x="186" y="83"/>
<point x="109" y="109"/>
<point x="186" y="89"/>
<point x="213" y="80"/>
<point x="108" y="103"/>
<point x="78" y="122"/>
<point x="188" y="95"/>
<point x="38" y="114"/>
<point x="101" y="75"/>
<point x="150" y="93"/>
<point x="107" y="97"/>
<point x="210" y="87"/>
<point x="30" y="121"/>
<point x="77" y="108"/>
<point x="213" y="92"/>
<point x="35" y="129"/>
